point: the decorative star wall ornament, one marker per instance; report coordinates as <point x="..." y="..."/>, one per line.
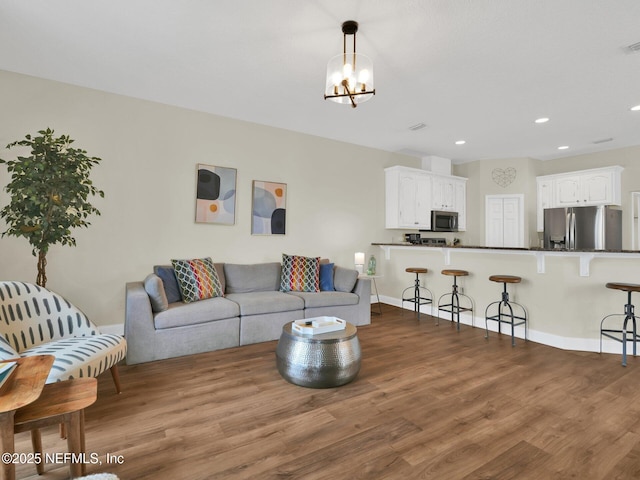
<point x="504" y="177"/>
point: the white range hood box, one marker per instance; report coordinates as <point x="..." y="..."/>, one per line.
<point x="436" y="164"/>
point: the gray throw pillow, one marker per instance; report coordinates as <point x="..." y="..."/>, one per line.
<point x="344" y="279"/>
<point x="155" y="289"/>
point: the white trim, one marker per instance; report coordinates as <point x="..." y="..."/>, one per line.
<point x="550" y="340"/>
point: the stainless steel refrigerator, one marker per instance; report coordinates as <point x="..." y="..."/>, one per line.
<point x="583" y="228"/>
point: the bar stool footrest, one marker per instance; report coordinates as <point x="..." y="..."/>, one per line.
<point x="607" y="333"/>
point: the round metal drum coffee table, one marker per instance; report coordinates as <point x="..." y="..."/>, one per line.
<point x="319" y="361"/>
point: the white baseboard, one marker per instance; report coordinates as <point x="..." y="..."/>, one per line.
<point x="551" y="340"/>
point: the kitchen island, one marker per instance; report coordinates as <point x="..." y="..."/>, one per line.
<point x="540" y="254"/>
<point x="564" y="291"/>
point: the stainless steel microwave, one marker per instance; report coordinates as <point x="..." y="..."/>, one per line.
<point x="444" y="221"/>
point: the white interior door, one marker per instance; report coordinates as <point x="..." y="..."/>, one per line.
<point x="504" y="220"/>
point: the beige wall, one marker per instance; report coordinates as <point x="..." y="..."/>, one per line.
<point x="629" y="158"/>
<point x="335" y="205"/>
<point x="565" y="308"/>
<point x="481" y="183"/>
<point x="335" y="197"/>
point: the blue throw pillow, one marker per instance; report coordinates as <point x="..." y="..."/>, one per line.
<point x="168" y="276"/>
<point x="326" y="277"/>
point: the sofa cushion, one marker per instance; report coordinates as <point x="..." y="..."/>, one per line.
<point x="326" y="299"/>
<point x="77" y="357"/>
<point x="155" y="289"/>
<point x="344" y="279"/>
<point x="259" y="277"/>
<point x="256" y="303"/>
<point x="169" y="281"/>
<point x="300" y="274"/>
<point x="198" y="279"/>
<point x="209" y="310"/>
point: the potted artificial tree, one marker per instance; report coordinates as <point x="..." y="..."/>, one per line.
<point x="49" y="194"/>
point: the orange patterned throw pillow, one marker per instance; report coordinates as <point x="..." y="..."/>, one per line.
<point x="300" y="274"/>
<point x="197" y="279"/>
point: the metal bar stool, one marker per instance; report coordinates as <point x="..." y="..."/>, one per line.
<point x="418" y="291"/>
<point x="621" y="335"/>
<point x="503" y="317"/>
<point x="453" y="307"/>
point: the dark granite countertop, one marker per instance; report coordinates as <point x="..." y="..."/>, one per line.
<point x="523" y="249"/>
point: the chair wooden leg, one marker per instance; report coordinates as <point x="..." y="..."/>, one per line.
<point x="74" y="442"/>
<point x="36" y="442"/>
<point x="116" y="378"/>
<point x="7" y="444"/>
<point x="63" y="431"/>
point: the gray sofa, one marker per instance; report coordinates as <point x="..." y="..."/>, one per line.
<point x="252" y="310"/>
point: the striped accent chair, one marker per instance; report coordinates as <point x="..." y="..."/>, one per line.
<point x="36" y="321"/>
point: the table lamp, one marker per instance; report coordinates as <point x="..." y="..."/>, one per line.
<point x="359" y="261"/>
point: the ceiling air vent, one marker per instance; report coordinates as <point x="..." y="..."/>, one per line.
<point x="417" y="126"/>
<point x="603" y="140"/>
<point x="634" y="48"/>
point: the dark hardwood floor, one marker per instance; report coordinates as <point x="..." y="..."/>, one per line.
<point x="429" y="403"/>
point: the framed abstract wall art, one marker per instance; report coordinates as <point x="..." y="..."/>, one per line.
<point x="216" y="195"/>
<point x="268" y="208"/>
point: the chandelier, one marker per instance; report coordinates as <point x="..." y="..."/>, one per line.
<point x="349" y="75"/>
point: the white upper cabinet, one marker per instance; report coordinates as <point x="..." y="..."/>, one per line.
<point x="407" y="198"/>
<point x="411" y="194"/>
<point x="545" y="199"/>
<point x="444" y="194"/>
<point x="414" y="200"/>
<point x="598" y="186"/>
<point x="450" y="195"/>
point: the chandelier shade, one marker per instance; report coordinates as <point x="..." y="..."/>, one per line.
<point x="349" y="74"/>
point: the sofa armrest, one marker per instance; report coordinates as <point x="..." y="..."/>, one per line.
<point x="139" y="329"/>
<point x="362" y="288"/>
<point x="362" y="314"/>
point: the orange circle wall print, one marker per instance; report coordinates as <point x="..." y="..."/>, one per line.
<point x="268" y="208"/>
<point x="216" y="195"/>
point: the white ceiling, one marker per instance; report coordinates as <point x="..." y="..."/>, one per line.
<point x="478" y="70"/>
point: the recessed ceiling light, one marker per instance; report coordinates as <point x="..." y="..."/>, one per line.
<point x="461" y="142"/>
<point x="542" y="120"/>
<point x="563" y="147"/>
<point x="636" y="108"/>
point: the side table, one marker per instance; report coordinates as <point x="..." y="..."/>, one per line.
<point x="375" y="287"/>
<point x="22" y="388"/>
<point x="60" y="402"/>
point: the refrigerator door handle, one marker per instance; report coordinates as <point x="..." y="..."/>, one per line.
<point x="572" y="231"/>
